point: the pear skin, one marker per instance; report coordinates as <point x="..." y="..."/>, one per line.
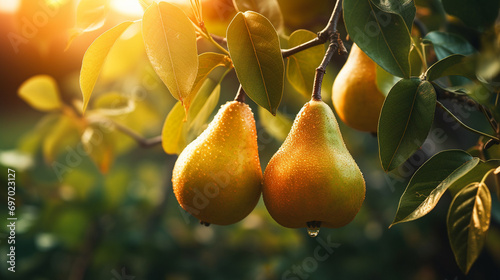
<point x="355" y="95"/>
<point x="217" y="177"/>
<point x="313" y="177"/>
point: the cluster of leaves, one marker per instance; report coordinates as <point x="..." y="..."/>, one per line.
<point x="170" y="35"/>
<point x="383" y="30"/>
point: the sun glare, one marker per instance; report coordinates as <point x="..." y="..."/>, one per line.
<point x="127" y="7"/>
<point x="9" y="6"/>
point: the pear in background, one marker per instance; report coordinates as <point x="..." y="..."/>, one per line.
<point x="313" y="180"/>
<point x="217" y="178"/>
<point x="355" y="95"/>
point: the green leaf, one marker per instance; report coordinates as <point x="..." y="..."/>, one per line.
<point x="173" y="134"/>
<point x="405" y="121"/>
<point x="301" y="66"/>
<point x="382" y="31"/>
<point x="453" y="65"/>
<point x="170" y="41"/>
<point x="203" y="105"/>
<point x="268" y="8"/>
<point x="430" y="182"/>
<point x="277" y="126"/>
<point x="207" y="62"/>
<point x="94" y="59"/>
<point x="478" y="14"/>
<point x="41" y="92"/>
<point x="90" y="16"/>
<point x="123" y="58"/>
<point x="179" y="130"/>
<point x="255" y="50"/>
<point x="468" y="222"/>
<point x="446" y="44"/>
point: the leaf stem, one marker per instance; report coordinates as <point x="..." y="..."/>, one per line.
<point x="440" y="105"/>
<point x="422" y="57"/>
<point x="204" y="32"/>
<point x="486" y="175"/>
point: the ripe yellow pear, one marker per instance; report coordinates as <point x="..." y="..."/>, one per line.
<point x="356" y="97"/>
<point x="217" y="178"/>
<point x="313" y="180"/>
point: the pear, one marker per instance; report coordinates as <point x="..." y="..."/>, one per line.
<point x="355" y="95"/>
<point x="217" y="177"/>
<point x="313" y="180"/>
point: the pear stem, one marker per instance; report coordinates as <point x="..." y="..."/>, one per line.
<point x="240" y="97"/>
<point x="336" y="46"/>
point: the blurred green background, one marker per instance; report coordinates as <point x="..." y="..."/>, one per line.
<point x="127" y="224"/>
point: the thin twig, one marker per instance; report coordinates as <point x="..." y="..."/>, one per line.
<point x="309" y="44"/>
<point x="440" y="105"/>
<point x="323" y="36"/>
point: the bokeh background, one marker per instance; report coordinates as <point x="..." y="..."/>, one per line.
<point x="126" y="224"/>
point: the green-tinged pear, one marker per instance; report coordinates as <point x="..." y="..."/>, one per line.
<point x="217" y="178"/>
<point x="355" y="95"/>
<point x="313" y="180"/>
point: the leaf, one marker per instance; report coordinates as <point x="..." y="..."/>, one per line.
<point x="277" y="126"/>
<point x="468" y="222"/>
<point x="478" y="14"/>
<point x="170" y="41"/>
<point x="203" y="105"/>
<point x="127" y="52"/>
<point x="90" y="16"/>
<point x="94" y="59"/>
<point x="453" y="65"/>
<point x="63" y="135"/>
<point x="268" y="8"/>
<point x="173" y="132"/>
<point x="256" y="54"/>
<point x="207" y="62"/>
<point x="382" y="31"/>
<point x="405" y="121"/>
<point x="446" y="44"/>
<point x="430" y="182"/>
<point x="301" y="66"/>
<point x="41" y="92"/>
<point x="98" y="147"/>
